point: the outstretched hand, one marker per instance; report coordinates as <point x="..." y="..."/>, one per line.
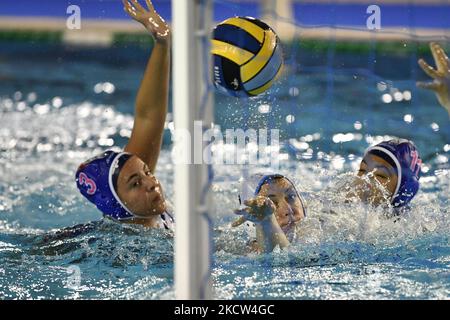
<point x="441" y="75"/>
<point x="151" y="20"/>
<point x="258" y="209"/>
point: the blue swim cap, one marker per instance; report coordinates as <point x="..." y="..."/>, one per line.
<point x="97" y="181"/>
<point x="404" y="157"/>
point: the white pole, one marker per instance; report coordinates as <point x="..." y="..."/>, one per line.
<point x="192" y="243"/>
<point x="279" y="14"/>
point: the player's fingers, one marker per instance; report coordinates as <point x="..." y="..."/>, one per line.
<point x="429" y="70"/>
<point x="440" y="57"/>
<point x="238" y="222"/>
<point x="428" y="85"/>
<point x="138" y="5"/>
<point x="150" y="5"/>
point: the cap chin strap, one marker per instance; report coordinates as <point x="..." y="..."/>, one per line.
<point x="113" y="191"/>
<point x="397" y="164"/>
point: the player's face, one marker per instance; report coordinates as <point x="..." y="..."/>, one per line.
<point x="381" y="176"/>
<point x="289" y="209"/>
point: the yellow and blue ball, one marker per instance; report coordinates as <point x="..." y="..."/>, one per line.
<point x="247" y="57"/>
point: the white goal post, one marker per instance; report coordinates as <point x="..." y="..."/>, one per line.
<point x="191" y="25"/>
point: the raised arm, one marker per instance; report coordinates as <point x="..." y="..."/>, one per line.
<point x="152" y="97"/>
<point x="441" y="76"/>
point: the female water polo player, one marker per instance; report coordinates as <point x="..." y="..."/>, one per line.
<point x="275" y="206"/>
<point x="122" y="184"/>
<point x="390" y="169"/>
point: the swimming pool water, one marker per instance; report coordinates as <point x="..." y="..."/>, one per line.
<point x="59" y="106"/>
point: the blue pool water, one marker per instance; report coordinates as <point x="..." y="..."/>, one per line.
<point x="59" y="106"/>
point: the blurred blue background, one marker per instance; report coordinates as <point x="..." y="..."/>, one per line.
<point x="428" y="14"/>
